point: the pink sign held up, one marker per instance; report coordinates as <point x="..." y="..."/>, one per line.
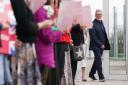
<point x="36" y="4"/>
<point x="71" y="12"/>
<point x="67" y="13"/>
<point x="82" y="16"/>
<point x="87" y="16"/>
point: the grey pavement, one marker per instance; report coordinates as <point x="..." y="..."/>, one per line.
<point x="91" y="82"/>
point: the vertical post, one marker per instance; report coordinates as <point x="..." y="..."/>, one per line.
<point x="125" y="37"/>
<point x="115" y="34"/>
<point x="106" y="23"/>
<point x="126" y="25"/>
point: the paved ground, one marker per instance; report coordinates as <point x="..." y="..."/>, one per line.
<point x="108" y="82"/>
<point x="90" y="82"/>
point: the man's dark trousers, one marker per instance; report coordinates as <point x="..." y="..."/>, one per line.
<point x="97" y="64"/>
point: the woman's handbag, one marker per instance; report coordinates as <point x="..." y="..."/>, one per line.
<point x="78" y="52"/>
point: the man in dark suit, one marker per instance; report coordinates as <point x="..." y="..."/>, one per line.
<point x="98" y="43"/>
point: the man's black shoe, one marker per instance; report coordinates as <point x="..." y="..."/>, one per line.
<point x="92" y="77"/>
<point x="102" y="80"/>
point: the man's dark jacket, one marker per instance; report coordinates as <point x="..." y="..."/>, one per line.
<point x="98" y="36"/>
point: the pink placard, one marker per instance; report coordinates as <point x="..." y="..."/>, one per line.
<point x="77" y="15"/>
<point x="67" y="12"/>
<point x="87" y="16"/>
<point x="36" y="4"/>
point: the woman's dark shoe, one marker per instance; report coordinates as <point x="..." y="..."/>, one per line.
<point x="92" y="77"/>
<point x="84" y="79"/>
<point x="84" y="74"/>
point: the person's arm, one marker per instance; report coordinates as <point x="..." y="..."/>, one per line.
<point x="24" y="17"/>
<point x="21" y="13"/>
<point x="54" y="36"/>
<point x="49" y="36"/>
<point x="93" y="36"/>
<point x="82" y="26"/>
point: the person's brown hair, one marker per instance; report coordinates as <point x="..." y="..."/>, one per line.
<point x="49" y="2"/>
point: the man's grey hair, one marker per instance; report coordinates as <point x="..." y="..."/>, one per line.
<point x="98" y="10"/>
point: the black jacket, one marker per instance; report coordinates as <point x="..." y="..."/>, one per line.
<point x="98" y="36"/>
<point x="26" y="29"/>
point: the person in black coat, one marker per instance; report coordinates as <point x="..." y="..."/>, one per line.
<point x="26" y="31"/>
<point x="98" y="43"/>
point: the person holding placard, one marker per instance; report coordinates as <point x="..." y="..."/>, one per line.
<point x="45" y="41"/>
<point x="26" y="31"/>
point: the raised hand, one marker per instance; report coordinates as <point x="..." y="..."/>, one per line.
<point x="45" y="24"/>
<point x="83" y="26"/>
<point x="65" y="30"/>
<point x="5" y="25"/>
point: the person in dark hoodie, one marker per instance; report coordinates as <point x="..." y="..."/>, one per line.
<point x="26" y="31"/>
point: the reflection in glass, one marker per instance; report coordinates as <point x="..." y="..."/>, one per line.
<point x="116" y="37"/>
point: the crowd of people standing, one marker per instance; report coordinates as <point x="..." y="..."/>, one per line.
<point x="44" y="53"/>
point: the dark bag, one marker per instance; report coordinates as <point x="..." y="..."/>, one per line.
<point x="78" y="52"/>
